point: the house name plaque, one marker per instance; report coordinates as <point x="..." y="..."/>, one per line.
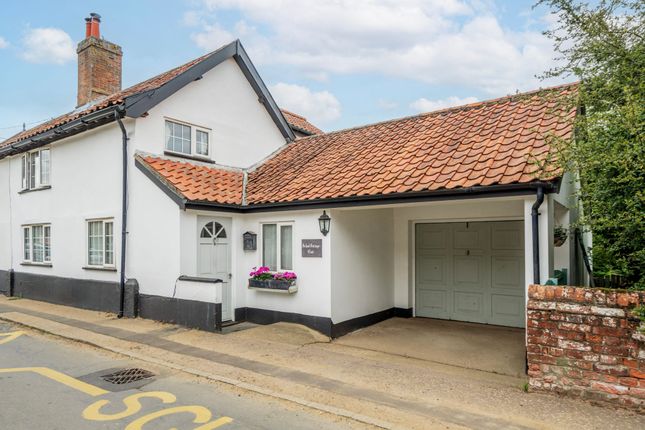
<point x="312" y="247"/>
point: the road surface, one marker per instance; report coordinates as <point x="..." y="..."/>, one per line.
<point x="47" y="383"/>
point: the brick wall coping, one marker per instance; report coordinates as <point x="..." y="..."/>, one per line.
<point x="589" y="296"/>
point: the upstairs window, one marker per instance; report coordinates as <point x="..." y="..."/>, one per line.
<point x="201" y="143"/>
<point x="177" y="137"/>
<point x="186" y="139"/>
<point x="36" y="243"/>
<point x="36" y="168"/>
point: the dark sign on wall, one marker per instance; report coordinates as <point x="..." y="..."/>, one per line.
<point x="250" y="241"/>
<point x="312" y="247"/>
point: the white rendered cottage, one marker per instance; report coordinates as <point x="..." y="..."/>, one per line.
<point x="138" y="202"/>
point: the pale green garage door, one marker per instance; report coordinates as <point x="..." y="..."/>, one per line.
<point x="471" y="272"/>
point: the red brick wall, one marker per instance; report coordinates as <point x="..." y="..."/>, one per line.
<point x="585" y="342"/>
<point x="99" y="69"/>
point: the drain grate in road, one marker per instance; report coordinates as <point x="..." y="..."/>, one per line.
<point x="126" y="376"/>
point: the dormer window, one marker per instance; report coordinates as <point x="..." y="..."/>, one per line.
<point x="36" y="167"/>
<point x="186" y="139"/>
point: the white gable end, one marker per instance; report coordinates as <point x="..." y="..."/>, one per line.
<point x="223" y="103"/>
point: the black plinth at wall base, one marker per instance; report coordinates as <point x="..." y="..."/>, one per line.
<point x="6" y="282"/>
<point x="403" y="312"/>
<point x="189" y="313"/>
<point x="80" y="293"/>
<point x="322" y="324"/>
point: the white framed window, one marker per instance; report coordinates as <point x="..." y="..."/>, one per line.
<point x="36" y="240"/>
<point x="201" y="142"/>
<point x="187" y="139"/>
<point x="100" y="242"/>
<point x="177" y="137"/>
<point x="277" y="246"/>
<point x="36" y="169"/>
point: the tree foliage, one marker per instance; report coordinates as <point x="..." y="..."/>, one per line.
<point x="604" y="46"/>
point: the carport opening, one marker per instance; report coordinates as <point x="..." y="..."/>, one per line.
<point x="470" y="292"/>
<point x="476" y="346"/>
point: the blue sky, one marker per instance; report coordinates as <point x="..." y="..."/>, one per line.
<point x="340" y="63"/>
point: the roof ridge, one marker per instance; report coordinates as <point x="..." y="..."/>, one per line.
<point x="474" y="105"/>
<point x="110" y="98"/>
<point x="294" y="114"/>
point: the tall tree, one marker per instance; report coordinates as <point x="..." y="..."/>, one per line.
<point x="603" y="44"/>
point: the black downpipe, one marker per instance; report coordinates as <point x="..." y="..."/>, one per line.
<point x="536" y="234"/>
<point x="585" y="257"/>
<point x="124" y="211"/>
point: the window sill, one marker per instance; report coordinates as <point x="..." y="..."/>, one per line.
<point x="29" y="263"/>
<point x="291" y="290"/>
<point x="102" y="269"/>
<point x="29" y="190"/>
<point x="189" y="157"/>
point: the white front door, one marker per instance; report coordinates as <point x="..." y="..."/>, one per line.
<point x="214" y="256"/>
<point x="471" y="272"/>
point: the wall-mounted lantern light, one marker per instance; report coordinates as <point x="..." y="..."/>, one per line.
<point x="324" y="222"/>
<point x="250" y="241"/>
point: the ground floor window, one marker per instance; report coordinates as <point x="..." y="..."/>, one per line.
<point x="100" y="242"/>
<point x="277" y="246"/>
<point x="36" y="243"/>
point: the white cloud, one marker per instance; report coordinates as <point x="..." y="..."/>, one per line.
<point x="387" y="104"/>
<point x="318" y="107"/>
<point x="48" y="46"/>
<point x="212" y="37"/>
<point x="191" y="18"/>
<point x="3" y="42"/>
<point x="439" y="42"/>
<point x="425" y="105"/>
<point x="317" y="76"/>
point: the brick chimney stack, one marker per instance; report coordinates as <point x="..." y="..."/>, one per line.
<point x="99" y="64"/>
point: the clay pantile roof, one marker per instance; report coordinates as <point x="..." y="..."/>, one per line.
<point x="295" y="121"/>
<point x="494" y="142"/>
<point x="111" y="100"/>
<point x="300" y="123"/>
<point x="197" y="183"/>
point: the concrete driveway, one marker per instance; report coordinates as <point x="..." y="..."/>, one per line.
<point x="474" y="346"/>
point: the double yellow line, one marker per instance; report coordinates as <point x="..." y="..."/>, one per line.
<point x="59" y="377"/>
<point x="8" y="337"/>
<point x="201" y="414"/>
<point x="50" y="373"/>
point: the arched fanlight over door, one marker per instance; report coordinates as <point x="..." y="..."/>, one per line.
<point x="213" y="230"/>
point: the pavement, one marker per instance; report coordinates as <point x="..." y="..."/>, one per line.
<point x="51" y="384"/>
<point x="287" y="362"/>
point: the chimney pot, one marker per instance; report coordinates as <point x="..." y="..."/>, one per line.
<point x="88" y="24"/>
<point x="95" y="26"/>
